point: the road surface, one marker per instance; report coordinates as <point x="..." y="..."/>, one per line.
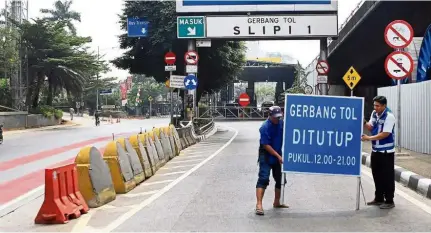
<point x="211" y="187"/>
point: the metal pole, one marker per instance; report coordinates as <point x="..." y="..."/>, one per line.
<point x="323" y="55"/>
<point x="351" y="92"/>
<point x="358" y="193"/>
<point x="283" y="177"/>
<point x="172" y="103"/>
<point x="399" y="115"/>
<point x="97" y="82"/>
<point x="150" y="110"/>
<point x="191" y="46"/>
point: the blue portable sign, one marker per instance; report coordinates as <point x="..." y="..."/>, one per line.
<point x="137" y="27"/>
<point x="190" y="82"/>
<point x="322" y="134"/>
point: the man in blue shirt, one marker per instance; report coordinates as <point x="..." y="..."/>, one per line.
<point x="381" y="125"/>
<point x="270" y="157"/>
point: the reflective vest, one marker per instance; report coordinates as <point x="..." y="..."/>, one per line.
<point x="387" y="143"/>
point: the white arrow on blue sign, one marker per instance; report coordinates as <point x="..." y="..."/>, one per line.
<point x="190" y="82"/>
<point x="137" y="27"/>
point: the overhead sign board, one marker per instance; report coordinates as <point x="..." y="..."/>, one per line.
<point x="399" y="34"/>
<point x="213" y="6"/>
<point x="191" y="27"/>
<point x="351" y="78"/>
<point x="323" y="135"/>
<point x="399" y="65"/>
<point x="177" y="81"/>
<point x="295" y="26"/>
<point x="137" y="27"/>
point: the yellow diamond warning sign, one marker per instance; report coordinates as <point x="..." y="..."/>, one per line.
<point x="351" y="78"/>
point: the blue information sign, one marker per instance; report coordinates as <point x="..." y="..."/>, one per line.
<point x="322" y="134"/>
<point x="251" y="2"/>
<point x="137" y="27"/>
<point x="190" y="82"/>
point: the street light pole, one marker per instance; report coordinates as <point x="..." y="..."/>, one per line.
<point x="97" y="82"/>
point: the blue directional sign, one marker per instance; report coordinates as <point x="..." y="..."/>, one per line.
<point x="137" y="27"/>
<point x="322" y="134"/>
<point x="190" y="82"/>
<point x="105" y="92"/>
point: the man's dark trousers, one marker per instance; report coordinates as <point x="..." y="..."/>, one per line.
<point x="382" y="166"/>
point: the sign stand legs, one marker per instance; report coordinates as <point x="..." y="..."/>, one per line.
<point x="358" y="194"/>
<point x="283" y="180"/>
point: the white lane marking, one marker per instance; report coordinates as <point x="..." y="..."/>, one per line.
<point x="171" y="173"/>
<point x="155" y="182"/>
<point x="82" y="222"/>
<point x="167" y="168"/>
<point x="140" y="194"/>
<point x="120" y="220"/>
<point x="190" y="156"/>
<point x="184" y="161"/>
<point x="22" y="197"/>
<point x="406" y="196"/>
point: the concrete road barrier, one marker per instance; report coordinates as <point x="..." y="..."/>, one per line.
<point x="142" y="154"/>
<point x="135" y="163"/>
<point x="177" y="141"/>
<point x="94" y="177"/>
<point x="159" y="149"/>
<point x="152" y="151"/>
<point x="119" y="165"/>
<point x="170" y="136"/>
<point x="166" y="145"/>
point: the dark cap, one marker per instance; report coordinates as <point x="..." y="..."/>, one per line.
<point x="275" y="111"/>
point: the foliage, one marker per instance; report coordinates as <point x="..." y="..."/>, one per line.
<point x="62" y="13"/>
<point x="265" y="92"/>
<point x="217" y="65"/>
<point x="5" y="97"/>
<point x="49" y="111"/>
<point x="300" y="81"/>
<point x="149" y="87"/>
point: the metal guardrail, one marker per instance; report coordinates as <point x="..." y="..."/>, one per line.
<point x="236" y="113"/>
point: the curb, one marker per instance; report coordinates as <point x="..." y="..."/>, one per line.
<point x="38" y="129"/>
<point x="407" y="178"/>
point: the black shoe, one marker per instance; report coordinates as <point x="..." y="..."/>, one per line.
<point x="374" y="202"/>
<point x="387" y="206"/>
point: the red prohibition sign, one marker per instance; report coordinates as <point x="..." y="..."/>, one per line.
<point x="398" y="34"/>
<point x="170" y="58"/>
<point x="322" y="67"/>
<point x="191" y="57"/>
<point x="399" y="65"/>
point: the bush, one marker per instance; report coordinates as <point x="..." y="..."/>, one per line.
<point x="58" y="114"/>
<point x="49" y="111"/>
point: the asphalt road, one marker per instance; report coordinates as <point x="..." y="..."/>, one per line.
<point x="217" y="193"/>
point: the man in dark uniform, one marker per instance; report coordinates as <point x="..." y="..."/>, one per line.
<point x="270" y="157"/>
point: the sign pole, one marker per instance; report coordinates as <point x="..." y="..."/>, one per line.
<point x="323" y="56"/>
<point x="191" y="47"/>
<point x="399" y="115"/>
<point x="171" y="92"/>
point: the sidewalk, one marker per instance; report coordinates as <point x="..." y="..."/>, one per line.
<point x="77" y="121"/>
<point x="416" y="162"/>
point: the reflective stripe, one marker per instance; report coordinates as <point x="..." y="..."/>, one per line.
<point x="384" y="145"/>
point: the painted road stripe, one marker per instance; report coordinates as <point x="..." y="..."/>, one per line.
<point x="171" y="173"/>
<point x="48" y="153"/>
<point x="15" y="188"/>
<point x="185" y="161"/>
<point x="155" y="182"/>
<point x="140" y="194"/>
<point x="167" y="168"/>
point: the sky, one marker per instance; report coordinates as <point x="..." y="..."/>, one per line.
<point x="99" y="19"/>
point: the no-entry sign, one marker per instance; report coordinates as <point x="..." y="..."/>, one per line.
<point x="399" y="34"/>
<point x="399" y="65"/>
<point x="191" y="57"/>
<point x="170" y="58"/>
<point x="322" y="67"/>
<point x="244" y="99"/>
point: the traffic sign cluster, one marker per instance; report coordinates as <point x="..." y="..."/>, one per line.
<point x="398" y="35"/>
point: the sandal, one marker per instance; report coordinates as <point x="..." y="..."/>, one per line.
<point x="259" y="211"/>
<point x="280" y="206"/>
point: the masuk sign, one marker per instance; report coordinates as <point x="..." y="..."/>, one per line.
<point x="213" y="6"/>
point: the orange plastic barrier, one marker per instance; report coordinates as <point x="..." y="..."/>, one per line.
<point x="63" y="200"/>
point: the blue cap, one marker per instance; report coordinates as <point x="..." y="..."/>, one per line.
<point x="275" y="111"/>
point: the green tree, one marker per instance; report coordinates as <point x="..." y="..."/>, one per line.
<point x="57" y="57"/>
<point x="300" y="81"/>
<point x="62" y="13"/>
<point x="265" y="92"/>
<point x="217" y="65"/>
<point x="149" y="87"/>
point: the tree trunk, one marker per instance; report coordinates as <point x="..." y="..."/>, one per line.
<point x="40" y="80"/>
<point x="50" y="93"/>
